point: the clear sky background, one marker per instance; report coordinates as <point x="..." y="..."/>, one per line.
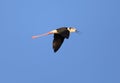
<point x="92" y="56"/>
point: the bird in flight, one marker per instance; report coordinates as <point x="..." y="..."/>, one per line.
<point x="59" y="35"/>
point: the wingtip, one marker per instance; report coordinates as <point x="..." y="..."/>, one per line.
<point x="55" y="51"/>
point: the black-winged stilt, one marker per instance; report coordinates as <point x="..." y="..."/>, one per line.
<point x="59" y="35"/>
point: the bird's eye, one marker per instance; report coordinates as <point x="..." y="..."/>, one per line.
<point x="70" y="28"/>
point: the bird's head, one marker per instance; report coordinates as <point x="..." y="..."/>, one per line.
<point x="72" y="29"/>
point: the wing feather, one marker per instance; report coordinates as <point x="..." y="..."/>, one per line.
<point x="64" y="32"/>
<point x="57" y="42"/>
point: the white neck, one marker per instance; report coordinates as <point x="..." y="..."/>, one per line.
<point x="54" y="31"/>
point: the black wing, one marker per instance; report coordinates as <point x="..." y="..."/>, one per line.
<point x="63" y="32"/>
<point x="57" y="42"/>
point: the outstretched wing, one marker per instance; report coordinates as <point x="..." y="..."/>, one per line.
<point x="57" y="42"/>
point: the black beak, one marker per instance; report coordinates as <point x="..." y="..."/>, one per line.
<point x="77" y="31"/>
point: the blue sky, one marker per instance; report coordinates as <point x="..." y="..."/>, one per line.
<point x="92" y="56"/>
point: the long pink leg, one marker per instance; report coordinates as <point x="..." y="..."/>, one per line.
<point x="37" y="36"/>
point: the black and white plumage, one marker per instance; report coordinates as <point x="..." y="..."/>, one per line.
<point x="59" y="35"/>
